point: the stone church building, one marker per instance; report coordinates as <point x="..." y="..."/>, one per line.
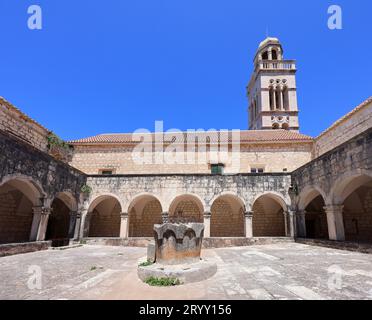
<point x="268" y="182"/>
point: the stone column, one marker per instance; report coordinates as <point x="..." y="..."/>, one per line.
<point x="207" y="224"/>
<point x="301" y="224"/>
<point x="71" y="229"/>
<point x="124" y="225"/>
<point x="335" y="222"/>
<point x="43" y="225"/>
<point x="281" y="99"/>
<point x="290" y="224"/>
<point x="248" y="217"/>
<point x="84" y="224"/>
<point x="35" y="222"/>
<point x="165" y="217"/>
<point x="286" y="229"/>
<point x="270" y="54"/>
<point x="77" y="226"/>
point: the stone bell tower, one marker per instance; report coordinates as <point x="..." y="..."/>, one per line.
<point x="272" y="89"/>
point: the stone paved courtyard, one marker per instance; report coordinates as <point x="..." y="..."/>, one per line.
<point x="280" y="271"/>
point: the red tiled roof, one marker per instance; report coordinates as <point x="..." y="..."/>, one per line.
<point x="247" y="136"/>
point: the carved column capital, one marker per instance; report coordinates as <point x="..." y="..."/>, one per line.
<point x="248" y="214"/>
<point x="207" y="214"/>
<point x="124" y="215"/>
<point x="41" y="210"/>
<point x="73" y="214"/>
<point x="301" y="213"/>
<point x="334" y="208"/>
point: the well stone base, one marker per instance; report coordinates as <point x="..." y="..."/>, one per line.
<point x="186" y="273"/>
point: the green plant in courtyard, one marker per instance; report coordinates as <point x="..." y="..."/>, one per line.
<point x="146" y="263"/>
<point x="162" y="282"/>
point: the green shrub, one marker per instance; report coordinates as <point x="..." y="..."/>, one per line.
<point x="86" y="189"/>
<point x="146" y="263"/>
<point x="162" y="282"/>
<point x="55" y="141"/>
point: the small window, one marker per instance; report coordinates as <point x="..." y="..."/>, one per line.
<point x="274" y="55"/>
<point x="257" y="170"/>
<point x="217" y="168"/>
<point x="285" y="170"/>
<point x="106" y="172"/>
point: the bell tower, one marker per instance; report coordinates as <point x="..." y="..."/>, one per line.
<point x="272" y="91"/>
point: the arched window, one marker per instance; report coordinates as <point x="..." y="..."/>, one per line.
<point x="271" y="98"/>
<point x="274" y="55"/>
<point x="265" y="56"/>
<point x="278" y="98"/>
<point x="285" y="126"/>
<point x="276" y="126"/>
<point x="285" y="98"/>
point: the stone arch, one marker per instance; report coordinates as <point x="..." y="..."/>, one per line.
<point x="18" y="196"/>
<point x="145" y="210"/>
<point x="265" y="55"/>
<point x="269" y="219"/>
<point x="274" y="54"/>
<point x="347" y="183"/>
<point x="58" y="230"/>
<point x="97" y="198"/>
<point x="103" y="219"/>
<point x="232" y="195"/>
<point x="68" y="198"/>
<point x="187" y="207"/>
<point x="27" y="185"/>
<point x="308" y="194"/>
<point x="354" y="192"/>
<point x="312" y="201"/>
<point x="227" y="216"/>
<point x="285" y="202"/>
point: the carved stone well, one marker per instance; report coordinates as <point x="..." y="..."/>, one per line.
<point x="176" y="253"/>
<point x="178" y="243"/>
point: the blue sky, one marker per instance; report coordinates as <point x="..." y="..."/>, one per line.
<point x="119" y="65"/>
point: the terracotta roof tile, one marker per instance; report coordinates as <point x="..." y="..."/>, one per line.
<point x="247" y="136"/>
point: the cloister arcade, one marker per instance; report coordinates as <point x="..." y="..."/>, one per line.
<point x="342" y="212"/>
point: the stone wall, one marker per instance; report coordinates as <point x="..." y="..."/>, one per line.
<point x="349" y="126"/>
<point x="15" y="217"/>
<point x="105" y="224"/>
<point x="20" y="160"/>
<point x="272" y="157"/>
<point x="142" y="224"/>
<point x="19" y="248"/>
<point x="207" y="188"/>
<point x="17" y="123"/>
<point x="327" y="172"/>
<point x="267" y="223"/>
<point x="225" y="221"/>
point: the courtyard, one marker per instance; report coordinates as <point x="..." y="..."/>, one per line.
<point x="279" y="272"/>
